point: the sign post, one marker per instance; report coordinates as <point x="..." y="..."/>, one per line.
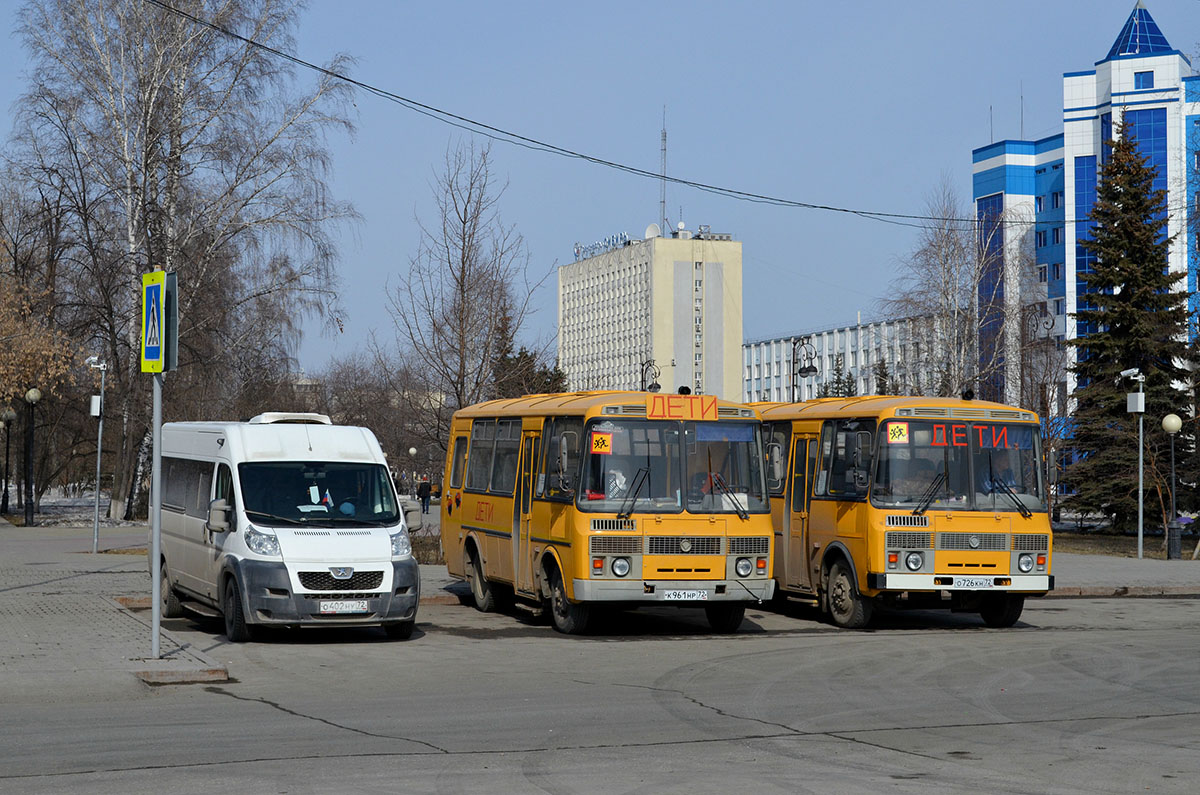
<point x="160" y="331"/>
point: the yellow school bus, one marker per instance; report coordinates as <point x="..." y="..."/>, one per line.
<point x="908" y="502"/>
<point x="568" y="501"/>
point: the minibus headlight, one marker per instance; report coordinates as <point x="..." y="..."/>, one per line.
<point x="401" y="546"/>
<point x="262" y="542"/>
<point x="743" y="567"/>
<point x="914" y="561"/>
<point x="620" y="566"/>
<point x="1025" y="563"/>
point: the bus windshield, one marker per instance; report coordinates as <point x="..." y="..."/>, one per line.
<point x="980" y="466"/>
<point x="667" y="467"/>
<point x="317" y="492"/>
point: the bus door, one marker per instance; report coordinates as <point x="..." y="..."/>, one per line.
<point x="522" y="509"/>
<point x="796" y="540"/>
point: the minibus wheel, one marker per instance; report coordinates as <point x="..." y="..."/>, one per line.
<point x="171" y="608"/>
<point x="1002" y="609"/>
<point x="481" y="589"/>
<point x="569" y="619"/>
<point x="847" y="607"/>
<point x="236" y="628"/>
<point x="725" y="618"/>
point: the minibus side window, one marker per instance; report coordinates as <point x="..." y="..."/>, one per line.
<point x="458" y="464"/>
<point x="224" y="491"/>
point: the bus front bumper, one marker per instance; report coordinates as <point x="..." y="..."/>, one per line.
<point x="1024" y="583"/>
<point x="681" y="592"/>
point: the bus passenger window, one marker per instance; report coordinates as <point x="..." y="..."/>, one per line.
<point x="458" y="463"/>
<point x="561" y="432"/>
<point x="799" y="481"/>
<point x="479" y="465"/>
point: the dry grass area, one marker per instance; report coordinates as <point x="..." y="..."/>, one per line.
<point x="1124" y="546"/>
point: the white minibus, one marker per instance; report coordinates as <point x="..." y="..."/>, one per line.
<point x="284" y="520"/>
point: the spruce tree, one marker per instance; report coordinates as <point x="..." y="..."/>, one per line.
<point x="1138" y="319"/>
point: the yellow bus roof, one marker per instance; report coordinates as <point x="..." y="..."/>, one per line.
<point x="888" y="406"/>
<point x="568" y="403"/>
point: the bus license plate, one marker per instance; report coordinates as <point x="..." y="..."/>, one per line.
<point x="972" y="582"/>
<point x="679" y="596"/>
<point x="337" y="606"/>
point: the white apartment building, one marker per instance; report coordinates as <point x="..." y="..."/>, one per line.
<point x="769" y="365"/>
<point x="669" y="308"/>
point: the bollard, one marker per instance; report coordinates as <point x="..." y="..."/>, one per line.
<point x="1174" y="540"/>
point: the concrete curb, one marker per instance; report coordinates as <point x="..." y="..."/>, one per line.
<point x="1131" y="591"/>
<point x="181" y="667"/>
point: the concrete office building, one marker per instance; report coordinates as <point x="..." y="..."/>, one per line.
<point x="666" y="308"/>
<point x="770" y="365"/>
<point x="1149" y="85"/>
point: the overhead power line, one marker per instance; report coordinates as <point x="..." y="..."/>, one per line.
<point x="500" y="134"/>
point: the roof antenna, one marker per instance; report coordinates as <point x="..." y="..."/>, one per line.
<point x="662" y="187"/>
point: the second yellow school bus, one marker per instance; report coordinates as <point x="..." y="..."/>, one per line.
<point x="609" y="498"/>
<point x="908" y="501"/>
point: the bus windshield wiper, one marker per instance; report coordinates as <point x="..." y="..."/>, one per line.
<point x="273" y="517"/>
<point x="1012" y="495"/>
<point x="927" y="497"/>
<point x="639" y="480"/>
<point x="719" y="480"/>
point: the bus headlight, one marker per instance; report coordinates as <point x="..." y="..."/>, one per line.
<point x="620" y="566"/>
<point x="1025" y="563"/>
<point x="743" y="567"/>
<point x="914" y="561"/>
<point x="401" y="545"/>
<point x="262" y="543"/>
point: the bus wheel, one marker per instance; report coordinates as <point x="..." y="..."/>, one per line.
<point x="236" y="628"/>
<point x="569" y="619"/>
<point x="846" y="606"/>
<point x="725" y="618"/>
<point x="481" y="589"/>
<point x="1002" y="609"/>
<point x="171" y="608"/>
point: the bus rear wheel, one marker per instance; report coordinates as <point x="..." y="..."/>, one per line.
<point x="1002" y="609"/>
<point x="481" y="589"/>
<point x="847" y="607"/>
<point x="568" y="618"/>
<point x="725" y="618"/>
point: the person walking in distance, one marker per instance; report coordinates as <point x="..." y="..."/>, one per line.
<point x="423" y="491"/>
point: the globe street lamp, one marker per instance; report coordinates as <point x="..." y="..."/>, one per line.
<point x="31" y="398"/>
<point x="807" y="369"/>
<point x="1171" y="424"/>
<point x="95" y="363"/>
<point x="7" y="418"/>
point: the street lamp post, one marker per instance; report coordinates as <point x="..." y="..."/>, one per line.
<point x="807" y="352"/>
<point x="650" y="376"/>
<point x="95" y="363"/>
<point x="7" y="418"/>
<point x="1171" y="424"/>
<point x="412" y="484"/>
<point x="31" y="398"/>
<point x="1135" y="403"/>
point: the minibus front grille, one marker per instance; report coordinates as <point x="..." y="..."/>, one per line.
<point x="615" y="545"/>
<point x="972" y="541"/>
<point x="897" y="540"/>
<point x="759" y="545"/>
<point x="324" y="581"/>
<point x="1030" y="542"/>
<point x="673" y="545"/>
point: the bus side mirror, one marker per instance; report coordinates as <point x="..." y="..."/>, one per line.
<point x="775" y="462"/>
<point x="565" y="443"/>
<point x="218" y="516"/>
<point x="412" y="515"/>
<point x="862" y="448"/>
<point x="1051" y="473"/>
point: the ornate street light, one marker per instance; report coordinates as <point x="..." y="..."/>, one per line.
<point x="808" y="355"/>
<point x="650" y="376"/>
<point x="7" y="418"/>
<point x="31" y="398"/>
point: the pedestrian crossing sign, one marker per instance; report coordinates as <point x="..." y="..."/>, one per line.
<point x="153" y="320"/>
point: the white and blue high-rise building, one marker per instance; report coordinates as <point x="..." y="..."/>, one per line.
<point x="1150" y="86"/>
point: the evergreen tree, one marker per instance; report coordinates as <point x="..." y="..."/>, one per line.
<point x="1135" y="318"/>
<point x="840" y="384"/>
<point x="884" y="385"/>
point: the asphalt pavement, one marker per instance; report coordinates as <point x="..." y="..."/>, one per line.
<point x="67" y="612"/>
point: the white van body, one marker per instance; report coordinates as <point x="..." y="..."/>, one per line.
<point x="284" y="520"/>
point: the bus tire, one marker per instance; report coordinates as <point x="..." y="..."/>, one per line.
<point x="481" y="589"/>
<point x="567" y="618"/>
<point x="725" y="618"/>
<point x="236" y="628"/>
<point x="847" y="607"/>
<point x="171" y="607"/>
<point x="1002" y="609"/>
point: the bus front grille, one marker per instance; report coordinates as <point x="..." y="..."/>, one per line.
<point x="601" y="525"/>
<point x="909" y="540"/>
<point x="906" y="520"/>
<point x="759" y="545"/>
<point x="615" y="545"/>
<point x="972" y="541"/>
<point x="683" y="545"/>
<point x="1030" y="542"/>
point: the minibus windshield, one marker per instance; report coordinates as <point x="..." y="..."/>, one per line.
<point x="318" y="492"/>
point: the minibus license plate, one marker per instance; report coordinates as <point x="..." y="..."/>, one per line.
<point x="343" y="606"/>
<point x="972" y="582"/>
<point x="675" y="596"/>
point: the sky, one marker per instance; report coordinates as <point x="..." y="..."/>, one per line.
<point x="863" y="105"/>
